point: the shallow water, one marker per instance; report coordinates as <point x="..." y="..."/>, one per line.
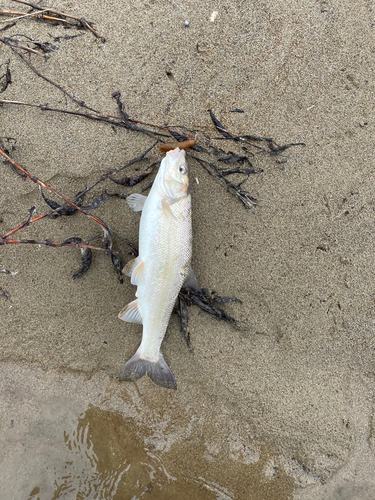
<point x="59" y="445"/>
<point x="101" y="457"/>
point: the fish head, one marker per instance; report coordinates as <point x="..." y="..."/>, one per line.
<point x="174" y="178"/>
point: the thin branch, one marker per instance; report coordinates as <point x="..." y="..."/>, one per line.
<point x="17" y="44"/>
<point x="51" y="243"/>
<point x="53" y="11"/>
<point x="98" y="117"/>
<point x="26" y="223"/>
<point x="80" y="20"/>
<point x="88" y="26"/>
<point x="21" y="15"/>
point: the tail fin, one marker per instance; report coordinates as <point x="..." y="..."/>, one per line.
<point x="159" y="372"/>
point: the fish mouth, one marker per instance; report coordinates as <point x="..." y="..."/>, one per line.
<point x="175" y="154"/>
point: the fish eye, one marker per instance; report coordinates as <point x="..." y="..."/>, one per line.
<point x="182" y="169"/>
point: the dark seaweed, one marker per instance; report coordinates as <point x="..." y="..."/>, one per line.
<point x="116" y="260"/>
<point x="239" y="170"/>
<point x="7" y="78"/>
<point x="130" y="181"/>
<point x="219" y="127"/>
<point x="204" y="301"/>
<point x="231" y="157"/>
<point x="184" y="314"/>
<point x="6" y="294"/>
<point x="86" y="254"/>
<point x="58" y="209"/>
<point x="178" y="137"/>
<point x="97" y="202"/>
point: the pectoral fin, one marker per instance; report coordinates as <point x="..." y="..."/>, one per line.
<point x="166" y="209"/>
<point x="131" y="313"/>
<point x="191" y="281"/>
<point x="136" y="201"/>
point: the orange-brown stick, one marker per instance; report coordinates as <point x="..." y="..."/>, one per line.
<point x="24" y="224"/>
<point x="168" y="146"/>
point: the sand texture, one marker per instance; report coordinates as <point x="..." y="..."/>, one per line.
<point x="278" y="406"/>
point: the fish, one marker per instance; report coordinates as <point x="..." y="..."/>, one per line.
<point x="162" y="267"/>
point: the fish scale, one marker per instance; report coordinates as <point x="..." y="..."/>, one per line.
<point x="165" y="277"/>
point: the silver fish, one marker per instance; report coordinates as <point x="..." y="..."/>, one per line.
<point x="162" y="267"/>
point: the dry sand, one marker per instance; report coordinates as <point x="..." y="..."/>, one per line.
<point x="280" y="406"/>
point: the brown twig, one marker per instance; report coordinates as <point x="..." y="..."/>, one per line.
<point x="98" y="117"/>
<point x="39" y="7"/>
<point x="87" y="25"/>
<point x="51" y="243"/>
<point x="25" y="224"/>
<point x="17" y="44"/>
<point x="39" y="15"/>
<point x="80" y="20"/>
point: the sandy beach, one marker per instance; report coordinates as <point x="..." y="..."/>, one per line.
<point x="279" y="405"/>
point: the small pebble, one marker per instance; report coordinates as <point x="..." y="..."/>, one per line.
<point x="213" y="16"/>
<point x="186" y="24"/>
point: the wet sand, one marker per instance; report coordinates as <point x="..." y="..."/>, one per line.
<point x="280" y="406"/>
